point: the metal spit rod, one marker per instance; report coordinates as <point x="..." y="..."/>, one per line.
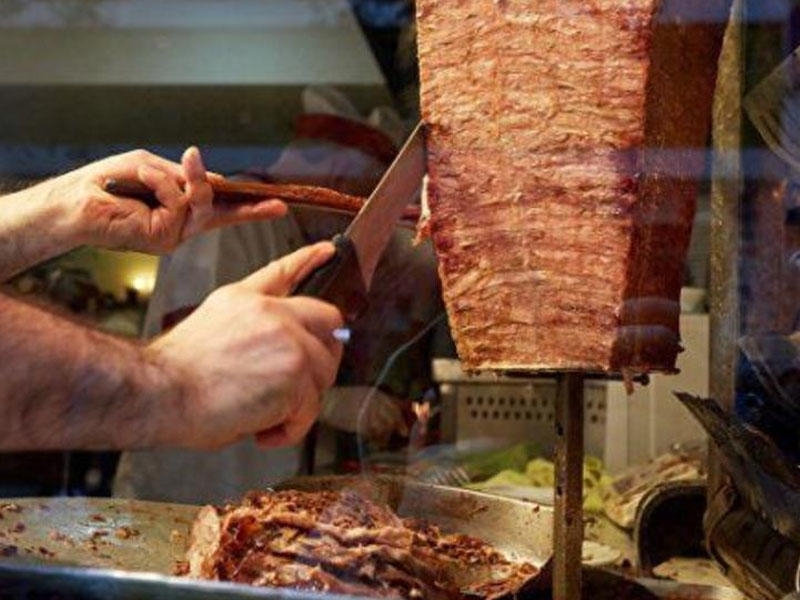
<point x="568" y="524"/>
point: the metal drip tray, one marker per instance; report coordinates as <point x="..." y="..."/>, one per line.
<point x="125" y="549"/>
<point x="98" y="584"/>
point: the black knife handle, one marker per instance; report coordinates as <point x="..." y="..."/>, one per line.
<point x="339" y="281"/>
<point x="132" y="189"/>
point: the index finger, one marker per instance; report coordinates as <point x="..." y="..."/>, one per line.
<point x="198" y="192"/>
<point x="318" y="317"/>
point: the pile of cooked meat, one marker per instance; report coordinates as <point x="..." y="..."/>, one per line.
<point x="340" y="542"/>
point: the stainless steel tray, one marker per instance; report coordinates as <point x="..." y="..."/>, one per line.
<point x="121" y="539"/>
<point x="102" y="584"/>
<point x="91" y="532"/>
<point x="150" y="536"/>
<point x="18" y="580"/>
<point x="78" y="547"/>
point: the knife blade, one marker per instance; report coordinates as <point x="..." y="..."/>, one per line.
<point x="344" y="281"/>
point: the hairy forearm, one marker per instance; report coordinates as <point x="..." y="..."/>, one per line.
<point x="35" y="224"/>
<point x="67" y="386"/>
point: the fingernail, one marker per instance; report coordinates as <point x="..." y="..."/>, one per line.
<point x="192" y="160"/>
<point x="342" y="335"/>
<point x="196" y="152"/>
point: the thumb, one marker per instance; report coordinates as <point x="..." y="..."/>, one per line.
<point x="280" y="277"/>
<point x="198" y="191"/>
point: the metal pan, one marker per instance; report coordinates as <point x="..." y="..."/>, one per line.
<point x="67" y="583"/>
<point x="110" y="548"/>
<point x="150" y="536"/>
<point x="104" y="533"/>
<point x="135" y="536"/>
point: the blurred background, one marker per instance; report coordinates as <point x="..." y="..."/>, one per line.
<point x="83" y="79"/>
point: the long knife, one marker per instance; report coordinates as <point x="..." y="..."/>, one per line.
<point x="344" y="281"/>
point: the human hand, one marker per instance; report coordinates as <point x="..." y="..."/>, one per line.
<point x="251" y="360"/>
<point x="365" y="410"/>
<point x="186" y="198"/>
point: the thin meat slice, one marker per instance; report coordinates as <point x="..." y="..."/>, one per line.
<point x="235" y="192"/>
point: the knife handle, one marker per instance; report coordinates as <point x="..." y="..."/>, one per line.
<point x="132" y="189"/>
<point x="231" y="192"/>
<point x="339" y="281"/>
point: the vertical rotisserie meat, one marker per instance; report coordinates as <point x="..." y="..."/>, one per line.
<point x="566" y="141"/>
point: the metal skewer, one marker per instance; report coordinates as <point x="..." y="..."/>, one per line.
<point x="568" y="513"/>
<point x="568" y="524"/>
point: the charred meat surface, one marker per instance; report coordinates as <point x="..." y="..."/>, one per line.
<point x="340" y="542"/>
<point x="566" y="140"/>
